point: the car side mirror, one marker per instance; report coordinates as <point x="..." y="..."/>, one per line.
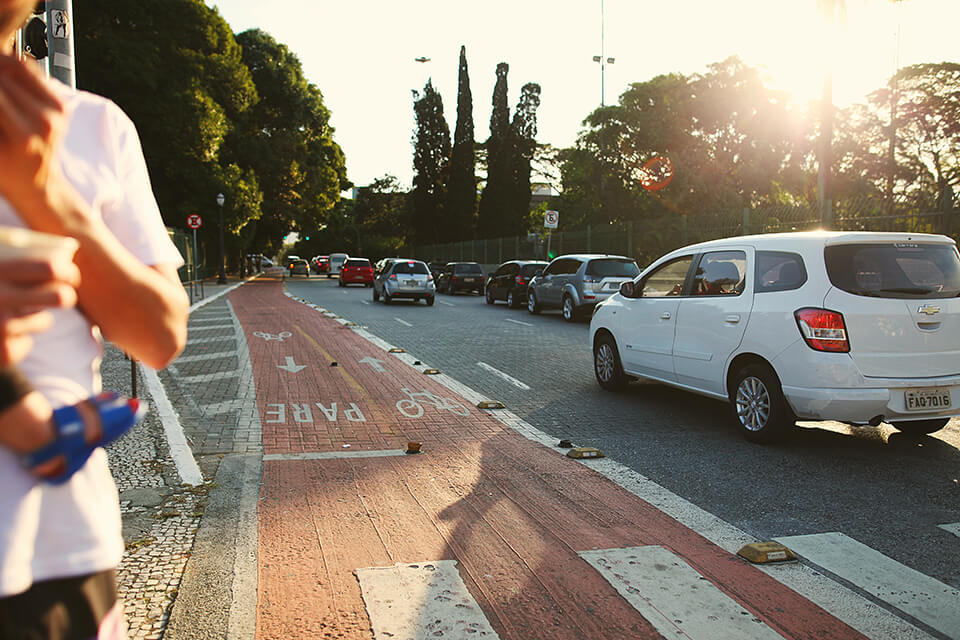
<point x="627" y="289"/>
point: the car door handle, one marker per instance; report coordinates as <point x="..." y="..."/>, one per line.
<point x="665" y="315"/>
<point x="733" y="318"/>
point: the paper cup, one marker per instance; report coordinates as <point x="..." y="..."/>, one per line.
<point x="19" y="244"/>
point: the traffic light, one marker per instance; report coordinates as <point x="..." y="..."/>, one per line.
<point x="35" y="33"/>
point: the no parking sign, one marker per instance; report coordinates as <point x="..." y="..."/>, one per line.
<point x="194" y="221"/>
<point x="551" y="219"/>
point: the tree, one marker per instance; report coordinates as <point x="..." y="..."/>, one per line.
<point x="176" y="70"/>
<point x="523" y="145"/>
<point x="286" y="140"/>
<point x="431" y="166"/>
<point x="461" y="203"/>
<point x="495" y="199"/>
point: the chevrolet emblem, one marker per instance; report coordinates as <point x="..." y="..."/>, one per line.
<point x="929" y="309"/>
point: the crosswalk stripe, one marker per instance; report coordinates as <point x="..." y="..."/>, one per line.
<point x="206" y="356"/>
<point x="224" y="338"/>
<point x="926" y="599"/>
<point x="209" y="377"/>
<point x="211" y="327"/>
<point x="673" y="597"/>
<point x="423" y="600"/>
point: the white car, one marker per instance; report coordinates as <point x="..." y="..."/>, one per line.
<point x="857" y="327"/>
<point x="336" y="263"/>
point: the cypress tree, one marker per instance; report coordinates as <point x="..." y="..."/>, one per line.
<point x="494" y="202"/>
<point x="523" y="134"/>
<point x="431" y="164"/>
<point x="461" y="206"/>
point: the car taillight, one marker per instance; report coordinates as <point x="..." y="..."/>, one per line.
<point x="822" y="329"/>
<point x="520" y="280"/>
<point x="393" y="277"/>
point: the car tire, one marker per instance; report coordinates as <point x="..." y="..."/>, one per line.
<point x="606" y="364"/>
<point x="568" y="309"/>
<point x="386" y="298"/>
<point x="533" y="307"/>
<point x="429" y="300"/>
<point x="758" y="405"/>
<point x="512" y="299"/>
<point x="376" y="296"/>
<point x="921" y="427"/>
<point x="488" y="295"/>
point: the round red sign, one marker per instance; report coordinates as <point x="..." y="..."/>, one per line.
<point x="194" y="221"/>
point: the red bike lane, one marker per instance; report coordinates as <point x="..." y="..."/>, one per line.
<point x="355" y="535"/>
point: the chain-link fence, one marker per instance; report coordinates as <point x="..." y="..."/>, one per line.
<point x="647" y="239"/>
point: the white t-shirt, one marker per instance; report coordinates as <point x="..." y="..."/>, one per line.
<point x="49" y="531"/>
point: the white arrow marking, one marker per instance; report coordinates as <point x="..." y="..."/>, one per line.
<point x="291" y="366"/>
<point x="373" y="362"/>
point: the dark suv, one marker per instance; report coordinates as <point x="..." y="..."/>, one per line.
<point x="576" y="283"/>
<point x="509" y="281"/>
<point x="461" y="276"/>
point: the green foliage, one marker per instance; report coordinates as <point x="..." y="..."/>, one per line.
<point x="175" y="69"/>
<point x="286" y="140"/>
<point x="431" y="166"/>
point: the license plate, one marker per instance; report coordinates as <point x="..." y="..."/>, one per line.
<point x="411" y="283"/>
<point x="469" y="279"/>
<point x="927" y="399"/>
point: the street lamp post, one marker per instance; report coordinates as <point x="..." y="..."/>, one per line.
<point x="221" y="274"/>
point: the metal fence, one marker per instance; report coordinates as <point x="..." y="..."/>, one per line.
<point x="647" y="239"/>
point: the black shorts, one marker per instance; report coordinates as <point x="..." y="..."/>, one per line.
<point x="62" y="609"/>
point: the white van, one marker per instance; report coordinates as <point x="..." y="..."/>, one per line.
<point x="336" y="262"/>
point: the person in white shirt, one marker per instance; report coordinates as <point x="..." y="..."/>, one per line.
<point x="71" y="164"/>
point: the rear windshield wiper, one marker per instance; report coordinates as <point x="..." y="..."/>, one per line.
<point x="913" y="290"/>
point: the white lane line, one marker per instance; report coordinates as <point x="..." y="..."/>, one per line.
<point x="403" y="322"/>
<point x="928" y="600"/>
<point x="862" y="614"/>
<point x="422" y="600"/>
<point x="526" y="324"/>
<point x="445" y="303"/>
<point x="334" y="455"/>
<point x="365" y="302"/>
<point x="673" y="597"/>
<point x="179" y="449"/>
<point x="953" y="528"/>
<point x="504" y="376"/>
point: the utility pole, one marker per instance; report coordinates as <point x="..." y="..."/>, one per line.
<point x="60" y="41"/>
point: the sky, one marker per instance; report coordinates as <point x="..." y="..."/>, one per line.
<point x="361" y="55"/>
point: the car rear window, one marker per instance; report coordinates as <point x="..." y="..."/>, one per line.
<point x="779" y="271"/>
<point x="357" y="262"/>
<point x="411" y="268"/>
<point x="613" y="268"/>
<point x="468" y="268"/>
<point x="530" y="269"/>
<point x="895" y="270"/>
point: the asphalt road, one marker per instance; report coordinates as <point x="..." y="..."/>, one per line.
<point x="884" y="489"/>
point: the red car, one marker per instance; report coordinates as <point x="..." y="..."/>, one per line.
<point x="356" y="271"/>
<point x="320" y="264"/>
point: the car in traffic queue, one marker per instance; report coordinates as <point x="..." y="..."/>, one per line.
<point x="461" y="276"/>
<point x="320" y="264"/>
<point x="299" y="266"/>
<point x="509" y="281"/>
<point x="575" y="283"/>
<point x="335" y="262"/>
<point x="857" y="327"/>
<point x="356" y="271"/>
<point x="403" y="278"/>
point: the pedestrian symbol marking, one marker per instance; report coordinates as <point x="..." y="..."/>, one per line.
<point x="271" y="336"/>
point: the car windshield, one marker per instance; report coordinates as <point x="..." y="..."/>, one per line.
<point x="613" y="268"/>
<point x="410" y="268"/>
<point x="357" y="262"/>
<point x="895" y="270"/>
<point x="467" y="269"/>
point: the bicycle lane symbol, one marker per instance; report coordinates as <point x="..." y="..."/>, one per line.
<point x="412" y="405"/>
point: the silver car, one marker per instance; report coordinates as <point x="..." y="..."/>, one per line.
<point x="577" y="282"/>
<point x="403" y="278"/>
